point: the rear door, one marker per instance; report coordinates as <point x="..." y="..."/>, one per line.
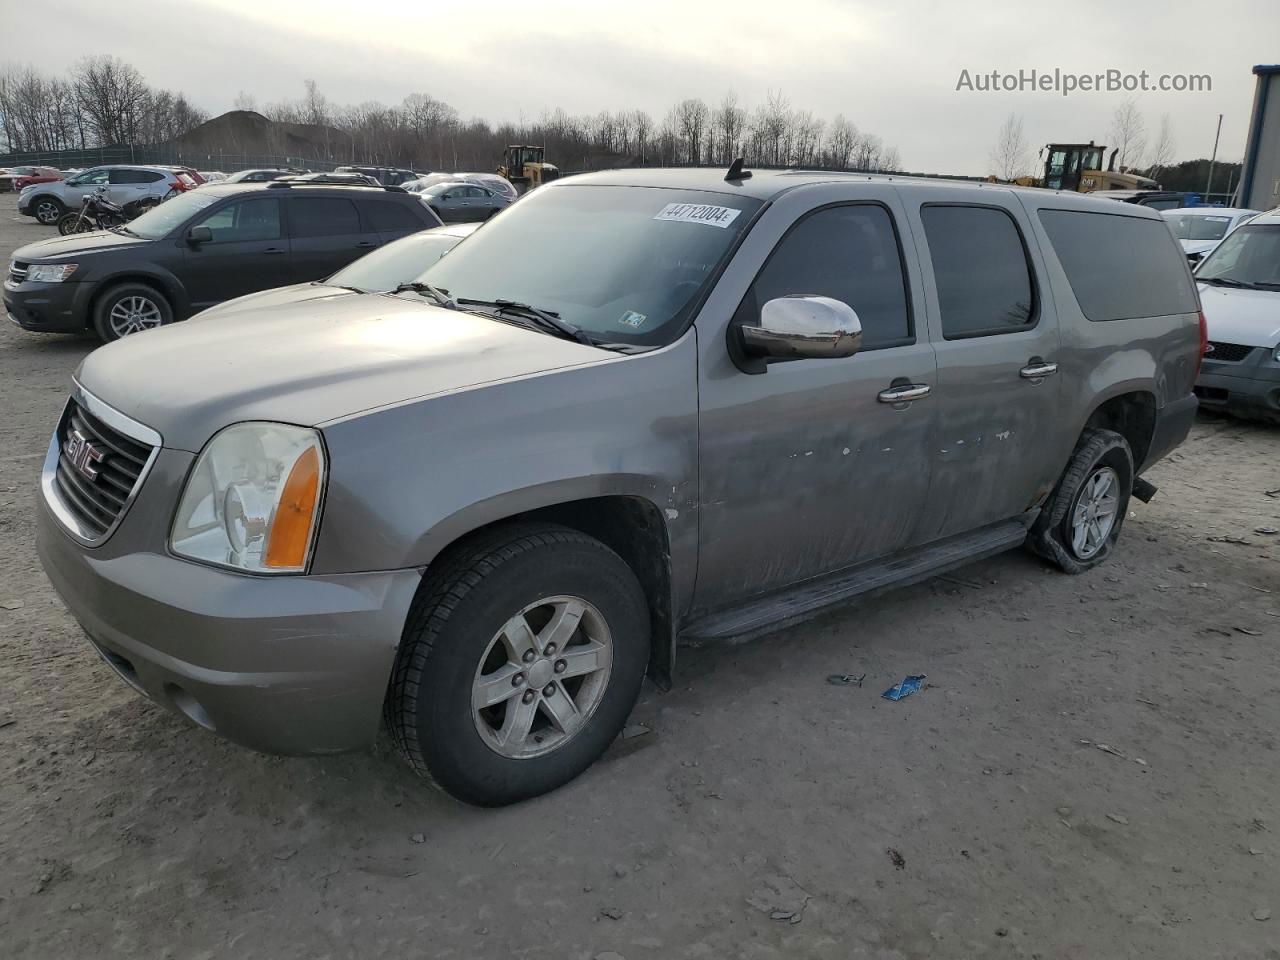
<point x="325" y="234"/>
<point x="249" y="252"/>
<point x="127" y="185"/>
<point x="995" y="333"/>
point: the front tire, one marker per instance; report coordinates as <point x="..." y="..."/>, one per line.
<point x="521" y="659"/>
<point x="70" y="223"/>
<point x="130" y="308"/>
<point x="1079" y="526"/>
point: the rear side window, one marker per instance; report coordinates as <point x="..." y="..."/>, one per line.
<point x="1120" y="267"/>
<point x="388" y="217"/>
<point x="322" y="217"/>
<point x="848" y="253"/>
<point x="135" y="176"/>
<point x="981" y="271"/>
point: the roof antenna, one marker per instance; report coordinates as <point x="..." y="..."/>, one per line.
<point x="736" y="172"/>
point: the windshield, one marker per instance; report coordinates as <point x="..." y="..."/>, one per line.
<point x="160" y="221"/>
<point x="396" y="263"/>
<point x="623" y="263"/>
<point x="1250" y="254"/>
<point x="1188" y="227"/>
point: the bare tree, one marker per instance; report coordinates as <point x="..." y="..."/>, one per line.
<point x="1128" y="134"/>
<point x="729" y="121"/>
<point x="112" y="94"/>
<point x="1011" y="156"/>
<point x="245" y="101"/>
<point x="1165" y="147"/>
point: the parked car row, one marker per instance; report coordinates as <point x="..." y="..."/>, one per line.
<point x="49" y="201"/>
<point x="472" y="507"/>
<point x="1200" y="229"/>
<point x="13" y="179"/>
<point x="204" y="247"/>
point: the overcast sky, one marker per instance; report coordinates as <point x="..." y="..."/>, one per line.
<point x="891" y="68"/>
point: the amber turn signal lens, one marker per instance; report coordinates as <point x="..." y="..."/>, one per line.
<point x="291" y="529"/>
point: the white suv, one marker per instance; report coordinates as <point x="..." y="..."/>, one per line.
<point x="125" y="183"/>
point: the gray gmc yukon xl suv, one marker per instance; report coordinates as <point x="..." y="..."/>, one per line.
<point x="636" y="407"/>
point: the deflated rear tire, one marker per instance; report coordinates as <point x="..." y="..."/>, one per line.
<point x="521" y="660"/>
<point x="1079" y="526"/>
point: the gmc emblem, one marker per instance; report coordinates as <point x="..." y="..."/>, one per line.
<point x="82" y="455"/>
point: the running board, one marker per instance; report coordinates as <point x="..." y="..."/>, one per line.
<point x="812" y="597"/>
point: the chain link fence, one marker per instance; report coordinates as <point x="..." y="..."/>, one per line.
<point x="226" y="162"/>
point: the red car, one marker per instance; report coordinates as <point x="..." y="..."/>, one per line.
<point x="15" y="178"/>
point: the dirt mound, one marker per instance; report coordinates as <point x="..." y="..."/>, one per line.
<point x="247" y="132"/>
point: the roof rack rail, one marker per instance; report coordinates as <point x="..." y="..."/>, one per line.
<point x="285" y="183"/>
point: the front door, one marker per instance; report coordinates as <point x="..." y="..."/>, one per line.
<point x="803" y="468"/>
<point x="248" y="252"/>
<point x="995" y="332"/>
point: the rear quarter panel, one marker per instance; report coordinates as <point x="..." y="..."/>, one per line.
<point x="1099" y="360"/>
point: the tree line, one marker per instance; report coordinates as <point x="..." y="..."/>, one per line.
<point x="102" y="101"/>
<point x="425" y="133"/>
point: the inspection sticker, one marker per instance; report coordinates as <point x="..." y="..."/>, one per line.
<point x="632" y="319"/>
<point x="712" y="216"/>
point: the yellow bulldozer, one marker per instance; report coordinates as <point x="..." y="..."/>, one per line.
<point x="525" y="167"/>
<point x="1077" y="167"/>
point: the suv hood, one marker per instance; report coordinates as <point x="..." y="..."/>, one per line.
<point x="1249" y="317"/>
<point x="311" y="362"/>
<point x="75" y="245"/>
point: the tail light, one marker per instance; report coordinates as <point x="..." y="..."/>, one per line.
<point x="1204" y="344"/>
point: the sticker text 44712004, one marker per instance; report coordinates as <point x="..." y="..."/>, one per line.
<point x="707" y="213"/>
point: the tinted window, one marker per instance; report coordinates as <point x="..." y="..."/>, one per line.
<point x="91" y="176"/>
<point x="257" y="219"/>
<point x="135" y="176"/>
<point x="390" y="217"/>
<point x="1163" y="204"/>
<point x="848" y="253"/>
<point x="1119" y="266"/>
<point x="981" y="271"/>
<point x="477" y="192"/>
<point x="322" y="217"/>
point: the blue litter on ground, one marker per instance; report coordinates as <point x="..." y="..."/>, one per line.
<point x="908" y="686"/>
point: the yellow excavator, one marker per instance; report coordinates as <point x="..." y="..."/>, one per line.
<point x="525" y="167"/>
<point x="1078" y="167"/>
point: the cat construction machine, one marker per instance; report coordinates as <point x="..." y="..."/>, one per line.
<point x="525" y="167"/>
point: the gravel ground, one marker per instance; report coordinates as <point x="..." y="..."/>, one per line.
<point x="1091" y="772"/>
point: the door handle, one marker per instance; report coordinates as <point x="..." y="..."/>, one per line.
<point x="1036" y="369"/>
<point x="904" y="394"/>
<point x="364" y="244"/>
<point x="274" y="250"/>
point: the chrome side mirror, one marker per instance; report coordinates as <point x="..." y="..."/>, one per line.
<point x="803" y="326"/>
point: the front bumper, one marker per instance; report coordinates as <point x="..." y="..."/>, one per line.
<point x="1249" y="388"/>
<point x="291" y="665"/>
<point x="49" y="307"/>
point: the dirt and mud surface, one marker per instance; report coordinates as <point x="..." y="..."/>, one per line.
<point x="1091" y="771"/>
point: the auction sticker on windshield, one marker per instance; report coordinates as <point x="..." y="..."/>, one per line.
<point x="709" y="214"/>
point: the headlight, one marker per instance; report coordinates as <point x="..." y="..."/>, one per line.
<point x="252" y="500"/>
<point x="50" y="272"/>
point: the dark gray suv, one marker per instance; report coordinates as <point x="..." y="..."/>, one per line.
<point x="201" y="248"/>
<point x="637" y="407"/>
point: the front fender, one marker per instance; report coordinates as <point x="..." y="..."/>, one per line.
<point x="406" y="481"/>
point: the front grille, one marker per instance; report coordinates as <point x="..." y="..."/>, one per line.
<point x="97" y="471"/>
<point x="1227" y="352"/>
<point x="17" y="271"/>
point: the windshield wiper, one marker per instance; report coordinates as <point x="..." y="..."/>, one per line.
<point x="549" y="320"/>
<point x="441" y="297"/>
<point x="1228" y="282"/>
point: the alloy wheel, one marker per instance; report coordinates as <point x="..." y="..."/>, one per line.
<point x="541" y="677"/>
<point x="134" y="314"/>
<point x="1096" y="509"/>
